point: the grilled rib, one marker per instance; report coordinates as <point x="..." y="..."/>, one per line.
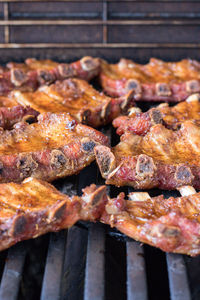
<point x="171" y="117"/>
<point x="155" y="81"/>
<point x="9" y="116"/>
<point x="33" y="73"/>
<point x="54" y="147"/>
<point x="162" y="158"/>
<point x="170" y="224"/>
<point x="78" y="98"/>
<point x="35" y="207"/>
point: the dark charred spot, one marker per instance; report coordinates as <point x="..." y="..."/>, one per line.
<point x="88" y="146"/>
<point x="133" y="85"/>
<point x="145" y="166"/>
<point x="59" y="213"/>
<point x="88" y="63"/>
<point x="18" y="77"/>
<point x="170" y="231"/>
<point x="26" y="165"/>
<point x="163" y="89"/>
<point x="183" y="174"/>
<point x="84" y="115"/>
<point x="45" y="76"/>
<point x="1" y="168"/>
<point x="29" y="119"/>
<point x="19" y="226"/>
<point x="66" y="71"/>
<point x="156" y="116"/>
<point x="193" y="86"/>
<point x="58" y="159"/>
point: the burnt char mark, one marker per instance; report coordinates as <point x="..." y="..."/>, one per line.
<point x="45" y="76"/>
<point x="58" y="159"/>
<point x="84" y="116"/>
<point x="66" y="71"/>
<point x="163" y="89"/>
<point x="26" y="165"/>
<point x="29" y="119"/>
<point x="88" y="146"/>
<point x="89" y="63"/>
<point x="18" y="77"/>
<point x="183" y="174"/>
<point x="156" y="116"/>
<point x="19" y="226"/>
<point x="193" y="86"/>
<point x="1" y="168"/>
<point x="144" y="167"/>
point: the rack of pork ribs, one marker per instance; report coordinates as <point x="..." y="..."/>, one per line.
<point x="155" y="81"/>
<point x="34" y="207"/>
<point x="158" y="148"/>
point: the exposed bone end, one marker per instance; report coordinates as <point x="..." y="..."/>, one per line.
<point x="18" y="77"/>
<point x="26" y="165"/>
<point x="139" y="196"/>
<point x="169" y="231"/>
<point x="183" y="175"/>
<point x="133" y="111"/>
<point x="133" y="84"/>
<point x="30" y="119"/>
<point x="66" y="71"/>
<point x="193" y="86"/>
<point x="84" y="116"/>
<point x="145" y="167"/>
<point x="194" y="97"/>
<point x="105" y="111"/>
<point x="44" y="76"/>
<point x="58" y="159"/>
<point x="105" y="159"/>
<point x="156" y="116"/>
<point x="94" y="197"/>
<point x="87" y="145"/>
<point x="163" y="89"/>
<point x="186" y="190"/>
<point x="128" y="98"/>
<point x="18" y="226"/>
<point x="57" y="213"/>
<point x="89" y="63"/>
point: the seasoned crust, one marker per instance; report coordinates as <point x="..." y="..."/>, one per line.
<point x="53" y="147"/>
<point x="155" y="81"/>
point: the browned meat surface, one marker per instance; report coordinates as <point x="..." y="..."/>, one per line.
<point x="162" y="158"/>
<point x="171" y="117"/>
<point x="169" y="224"/>
<point x="77" y="97"/>
<point x="9" y="116"/>
<point x="155" y="81"/>
<point x="33" y="73"/>
<point x="54" y="147"/>
<point x="35" y="207"/>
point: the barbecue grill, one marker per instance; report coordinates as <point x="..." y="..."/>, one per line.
<point x="92" y="261"/>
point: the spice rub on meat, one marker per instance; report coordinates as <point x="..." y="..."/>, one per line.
<point x="155" y="81"/>
<point x="33" y="73"/>
<point x="171" y="117"/>
<point x="34" y="207"/>
<point x="172" y="224"/>
<point x="161" y="158"/>
<point x="53" y="147"/>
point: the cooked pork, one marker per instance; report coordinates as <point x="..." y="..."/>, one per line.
<point x="155" y="81"/>
<point x="54" y="147"/>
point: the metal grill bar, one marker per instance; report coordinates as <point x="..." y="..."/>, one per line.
<point x="136" y="273"/>
<point x="94" y="279"/>
<point x="178" y="281"/>
<point x="54" y="265"/>
<point x="12" y="272"/>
